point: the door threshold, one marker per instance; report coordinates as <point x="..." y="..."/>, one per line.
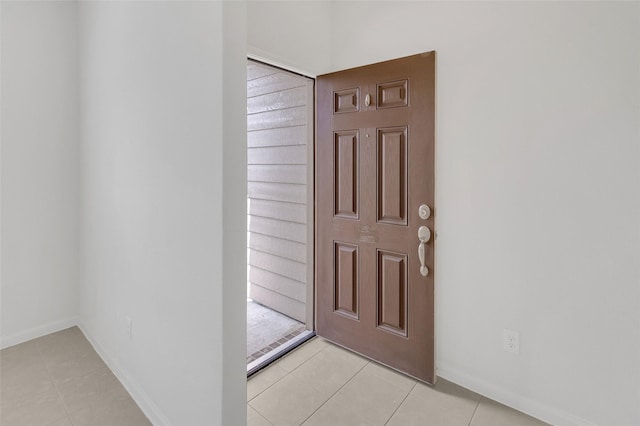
<point x="266" y="359"/>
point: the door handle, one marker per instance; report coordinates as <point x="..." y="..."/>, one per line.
<point x="424" y="234"/>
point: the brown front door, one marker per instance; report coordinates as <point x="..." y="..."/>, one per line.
<point x="374" y="169"/>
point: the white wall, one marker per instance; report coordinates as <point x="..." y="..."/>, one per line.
<point x="40" y="169"/>
<point x="160" y="117"/>
<point x="291" y="34"/>
<point x="234" y="213"/>
<point x="538" y="179"/>
<point x="538" y="204"/>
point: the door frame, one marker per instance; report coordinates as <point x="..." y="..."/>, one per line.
<point x="311" y="195"/>
<point x="311" y="185"/>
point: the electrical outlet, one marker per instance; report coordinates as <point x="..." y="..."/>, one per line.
<point x="129" y="327"/>
<point x="511" y="341"/>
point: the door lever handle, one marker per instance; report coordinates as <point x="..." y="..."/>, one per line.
<point x="424" y="234"/>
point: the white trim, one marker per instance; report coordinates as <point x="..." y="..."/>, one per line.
<point x="146" y="404"/>
<point x="529" y="406"/>
<point x="35" y="332"/>
<point x="268" y="58"/>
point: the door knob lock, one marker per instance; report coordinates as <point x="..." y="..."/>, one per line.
<point x="424" y="212"/>
<point x="424" y="234"/>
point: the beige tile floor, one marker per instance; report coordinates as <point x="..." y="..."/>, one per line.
<point x="320" y="384"/>
<point x="59" y="380"/>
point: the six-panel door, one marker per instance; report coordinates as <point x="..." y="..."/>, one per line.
<point x="374" y="168"/>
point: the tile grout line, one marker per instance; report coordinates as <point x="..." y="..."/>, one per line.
<point x="401" y="402"/>
<point x="288" y="373"/>
<point x="338" y="390"/>
<point x="304" y="362"/>
<point x="307" y="360"/>
<point x="260" y="414"/>
<point x="268" y="387"/>
<point x="474" y="412"/>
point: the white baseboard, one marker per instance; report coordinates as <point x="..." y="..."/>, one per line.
<point x="529" y="406"/>
<point x="146" y="404"/>
<point x="35" y="332"/>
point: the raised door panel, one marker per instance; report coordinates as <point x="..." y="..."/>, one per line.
<point x="345" y="179"/>
<point x="346" y="279"/>
<point x="346" y="101"/>
<point x="392" y="175"/>
<point x="393" y="94"/>
<point x="392" y="292"/>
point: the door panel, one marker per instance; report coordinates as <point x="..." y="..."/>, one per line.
<point x="346" y="100"/>
<point x="346" y="280"/>
<point x="345" y="153"/>
<point x="392" y="94"/>
<point x="392" y="175"/>
<point x="374" y="168"/>
<point x="392" y="292"/>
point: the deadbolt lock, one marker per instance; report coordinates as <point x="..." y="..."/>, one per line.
<point x="424" y="212"/>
